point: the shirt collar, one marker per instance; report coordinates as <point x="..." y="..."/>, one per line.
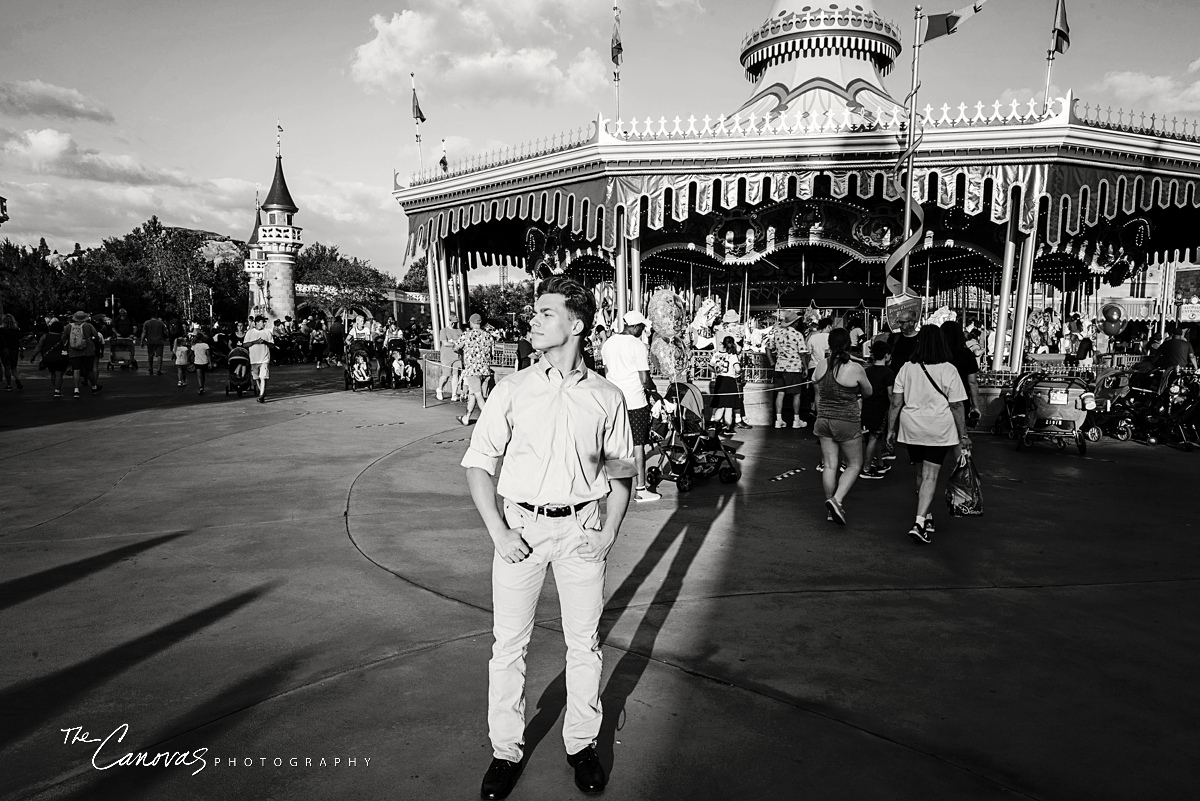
<point x="545" y="367"/>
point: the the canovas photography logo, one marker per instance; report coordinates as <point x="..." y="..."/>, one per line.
<point x="107" y="755"/>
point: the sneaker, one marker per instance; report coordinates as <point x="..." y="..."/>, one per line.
<point x="465" y="420"/>
<point x="836" y="511"/>
<point x="918" y="533"/>
<point x="645" y="496"/>
<point x="929" y="525"/>
<point x="454" y="399"/>
<point x="820" y="467"/>
<point x="8" y="389"/>
<point x="799" y="423"/>
<point x="870" y="474"/>
<point x="77" y="395"/>
<point x="744" y="424"/>
<point x="58" y="393"/>
<point x="97" y="388"/>
<point x="887" y="457"/>
<point x="780" y="424"/>
<point x="439" y="394"/>
<point x="261" y="399"/>
<point x="882" y="468"/>
<point x="201" y="392"/>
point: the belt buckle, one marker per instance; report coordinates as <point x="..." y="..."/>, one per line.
<point x="556" y="511"/>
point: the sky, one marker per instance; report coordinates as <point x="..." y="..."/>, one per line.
<point x="114" y="110"/>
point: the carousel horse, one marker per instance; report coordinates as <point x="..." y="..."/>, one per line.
<point x="667" y="313"/>
<point x="702" y="324"/>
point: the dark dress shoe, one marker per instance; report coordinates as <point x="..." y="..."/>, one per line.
<point x="499" y="780"/>
<point x="589" y="773"/>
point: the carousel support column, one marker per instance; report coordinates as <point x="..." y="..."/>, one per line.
<point x="443" y="283"/>
<point x="1024" y="290"/>
<point x="622" y="276"/>
<point x="746" y="295"/>
<point x="464" y="266"/>
<point x="691" y="288"/>
<point x="635" y="270"/>
<point x="1000" y="323"/>
<point x="435" y="322"/>
<point x="726" y="288"/>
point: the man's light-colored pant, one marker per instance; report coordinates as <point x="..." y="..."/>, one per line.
<point x="515" y="591"/>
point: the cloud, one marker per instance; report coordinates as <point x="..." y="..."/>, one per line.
<point x="1158" y="93"/>
<point x="52" y="152"/>
<point x="1194" y="66"/>
<point x="488" y="51"/>
<point x="40" y="99"/>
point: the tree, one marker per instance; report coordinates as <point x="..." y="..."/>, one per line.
<point x="501" y="305"/>
<point x="340" y="281"/>
<point x="29" y="285"/>
<point x="416" y="279"/>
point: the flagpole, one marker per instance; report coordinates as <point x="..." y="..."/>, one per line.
<point x="417" y="124"/>
<point x="1049" y="71"/>
<point x="912" y="133"/>
<point x="617" y="57"/>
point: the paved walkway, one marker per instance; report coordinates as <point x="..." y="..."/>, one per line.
<point x="308" y="578"/>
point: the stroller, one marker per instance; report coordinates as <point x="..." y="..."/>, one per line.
<point x="1113" y="415"/>
<point x="238" y="365"/>
<point x="1052" y="409"/>
<point x="686" y="448"/>
<point x="388" y="377"/>
<point x="358" y="366"/>
<point x="120" y="354"/>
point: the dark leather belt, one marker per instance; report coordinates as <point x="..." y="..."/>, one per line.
<point x="552" y="511"/>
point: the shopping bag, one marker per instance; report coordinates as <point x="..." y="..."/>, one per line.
<point x="964" y="495"/>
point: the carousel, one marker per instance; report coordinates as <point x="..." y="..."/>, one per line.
<point x="1028" y="208"/>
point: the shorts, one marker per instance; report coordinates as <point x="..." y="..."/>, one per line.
<point x="154" y="350"/>
<point x="453" y="364"/>
<point x="790" y="382"/>
<point x="83" y="364"/>
<point x="934" y="454"/>
<point x="260" y="370"/>
<point x="874" y="419"/>
<point x="639" y="424"/>
<point x="837" y="430"/>
<point x="475" y="384"/>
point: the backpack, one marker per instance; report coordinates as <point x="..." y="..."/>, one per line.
<point x="78" y="339"/>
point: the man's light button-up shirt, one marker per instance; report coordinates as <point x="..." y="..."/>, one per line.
<point x="561" y="437"/>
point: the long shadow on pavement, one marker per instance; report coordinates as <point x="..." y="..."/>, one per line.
<point x="31" y="703"/>
<point x="18" y="590"/>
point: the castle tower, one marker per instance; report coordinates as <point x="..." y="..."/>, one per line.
<point x="279" y="241"/>
<point x="256" y="267"/>
<point x="821" y="59"/>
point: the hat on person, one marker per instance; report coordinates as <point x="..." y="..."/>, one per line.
<point x="80" y="317"/>
<point x="788" y="316"/>
<point x="634" y="317"/>
<point x="731" y="316"/>
<point x="475" y="318"/>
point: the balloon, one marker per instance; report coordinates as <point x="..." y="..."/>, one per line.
<point x="1114" y="327"/>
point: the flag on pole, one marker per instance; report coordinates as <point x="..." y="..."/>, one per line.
<point x="444" y="163"/>
<point x="944" y="24"/>
<point x="1062" y="31"/>
<point x="279" y="127"/>
<point x="418" y="115"/>
<point x="618" y="50"/>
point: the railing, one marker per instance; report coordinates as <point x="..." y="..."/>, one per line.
<point x="504" y="354"/>
<point x="1138" y="122"/>
<point x="496" y="158"/>
<point x="756" y="367"/>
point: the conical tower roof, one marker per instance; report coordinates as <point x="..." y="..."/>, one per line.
<point x="279" y="198"/>
<point x="821" y="58"/>
<point x="257" y="223"/>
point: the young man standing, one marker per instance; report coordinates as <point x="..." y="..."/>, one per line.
<point x="627" y="364"/>
<point x="259" y="340"/>
<point x="563" y="433"/>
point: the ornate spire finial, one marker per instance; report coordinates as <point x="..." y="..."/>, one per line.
<point x="278" y="138"/>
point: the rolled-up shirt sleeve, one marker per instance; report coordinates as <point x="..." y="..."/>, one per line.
<point x="492" y="431"/>
<point x="618" y="444"/>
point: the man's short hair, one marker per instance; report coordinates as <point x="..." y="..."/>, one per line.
<point x="580" y="303"/>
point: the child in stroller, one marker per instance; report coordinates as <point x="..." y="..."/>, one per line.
<point x="686" y="447"/>
<point x="360" y="373"/>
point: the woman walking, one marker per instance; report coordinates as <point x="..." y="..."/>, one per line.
<point x="10" y="351"/>
<point x="54" y="356"/>
<point x="928" y="400"/>
<point x="839" y="383"/>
